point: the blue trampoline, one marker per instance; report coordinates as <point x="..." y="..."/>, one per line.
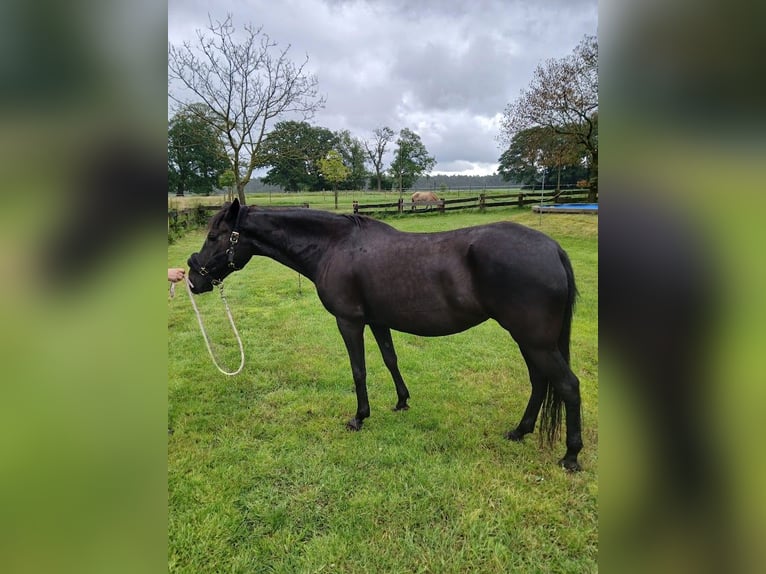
<point x="566" y="208"/>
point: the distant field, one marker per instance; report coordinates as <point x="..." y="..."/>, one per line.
<point x="263" y="476"/>
<point x="318" y="199"/>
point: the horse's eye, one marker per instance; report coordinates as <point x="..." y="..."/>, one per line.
<point x="211" y="236"/>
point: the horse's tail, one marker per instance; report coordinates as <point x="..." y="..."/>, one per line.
<point x="551" y="414"/>
<point x="572" y="293"/>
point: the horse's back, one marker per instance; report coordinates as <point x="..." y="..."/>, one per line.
<point x="424" y="196"/>
<point x="445" y="282"/>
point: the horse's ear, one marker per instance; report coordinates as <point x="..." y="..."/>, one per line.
<point x="233" y="211"/>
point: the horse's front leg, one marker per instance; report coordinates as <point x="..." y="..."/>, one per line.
<point x="353" y="336"/>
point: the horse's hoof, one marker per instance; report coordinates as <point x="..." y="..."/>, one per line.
<point x="404" y="407"/>
<point x="514" y="435"/>
<point x="570" y="465"/>
<point x="354" y="425"/>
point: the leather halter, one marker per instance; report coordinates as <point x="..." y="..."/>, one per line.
<point x="203" y="270"/>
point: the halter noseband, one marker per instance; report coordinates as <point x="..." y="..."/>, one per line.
<point x="233" y="240"/>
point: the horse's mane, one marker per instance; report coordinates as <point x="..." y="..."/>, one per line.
<point x="302" y="214"/>
<point x="359" y="221"/>
<point x="219" y="215"/>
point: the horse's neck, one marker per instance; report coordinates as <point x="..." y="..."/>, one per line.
<point x="295" y="239"/>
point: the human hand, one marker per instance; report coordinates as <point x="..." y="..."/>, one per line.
<point x="176" y="274"/>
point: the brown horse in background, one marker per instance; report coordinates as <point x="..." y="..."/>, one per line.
<point x="423" y="197"/>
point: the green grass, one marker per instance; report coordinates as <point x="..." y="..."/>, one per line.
<point x="263" y="476"/>
<point x="315" y="199"/>
<point x="324" y="199"/>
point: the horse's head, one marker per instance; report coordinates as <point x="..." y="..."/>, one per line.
<point x="220" y="254"/>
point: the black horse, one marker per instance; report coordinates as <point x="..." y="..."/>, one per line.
<point x="368" y="273"/>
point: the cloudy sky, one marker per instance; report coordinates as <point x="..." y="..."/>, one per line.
<point x="445" y="69"/>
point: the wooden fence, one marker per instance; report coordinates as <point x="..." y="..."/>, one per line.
<point x="182" y="220"/>
<point x="482" y="201"/>
<point x="174" y="214"/>
<point x="194" y="216"/>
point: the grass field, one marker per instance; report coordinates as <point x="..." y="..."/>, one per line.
<point x="263" y="476"/>
<point x="324" y="199"/>
<point x="315" y="199"/>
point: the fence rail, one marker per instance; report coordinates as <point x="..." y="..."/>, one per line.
<point x="482" y="201"/>
<point x="176" y="213"/>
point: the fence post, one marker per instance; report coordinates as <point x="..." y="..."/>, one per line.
<point x="399" y="205"/>
<point x="356" y="207"/>
<point x="441" y="206"/>
<point x="521" y="199"/>
<point x="482" y="198"/>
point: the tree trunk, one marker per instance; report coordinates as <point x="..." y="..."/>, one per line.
<point x="241" y="193"/>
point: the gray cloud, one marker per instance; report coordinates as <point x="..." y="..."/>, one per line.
<point x="443" y="69"/>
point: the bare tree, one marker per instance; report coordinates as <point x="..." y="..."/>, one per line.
<point x="563" y="97"/>
<point x="246" y="83"/>
<point x="376" y="149"/>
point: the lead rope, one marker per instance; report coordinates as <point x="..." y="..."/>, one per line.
<point x="204" y="333"/>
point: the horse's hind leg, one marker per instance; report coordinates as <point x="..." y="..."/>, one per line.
<point x="554" y="367"/>
<point x="386" y="344"/>
<point x="528" y="420"/>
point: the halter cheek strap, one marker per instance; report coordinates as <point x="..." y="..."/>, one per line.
<point x="234" y="237"/>
<point x="233" y="240"/>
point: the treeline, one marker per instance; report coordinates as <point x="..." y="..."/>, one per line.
<point x="434" y="182"/>
<point x="461" y="182"/>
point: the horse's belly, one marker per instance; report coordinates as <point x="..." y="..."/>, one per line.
<point x="429" y="319"/>
<point x="435" y="328"/>
<point x="435" y="297"/>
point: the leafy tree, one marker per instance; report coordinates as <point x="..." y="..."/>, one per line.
<point x="519" y="162"/>
<point x="196" y="156"/>
<point x="564" y="155"/>
<point x="384" y="181"/>
<point x="334" y="171"/>
<point x="227" y="181"/>
<point x="538" y="151"/>
<point x="246" y="84"/>
<point x="292" y="150"/>
<point x="411" y="160"/>
<point x="375" y="150"/>
<point x="563" y="97"/>
<point x="353" y="153"/>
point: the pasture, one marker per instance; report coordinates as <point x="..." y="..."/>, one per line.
<point x="315" y="199"/>
<point x="264" y="477"/>
<point x="324" y="199"/>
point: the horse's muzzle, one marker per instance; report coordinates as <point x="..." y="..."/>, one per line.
<point x="199" y="284"/>
<point x="194" y="264"/>
<point x="200" y="280"/>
